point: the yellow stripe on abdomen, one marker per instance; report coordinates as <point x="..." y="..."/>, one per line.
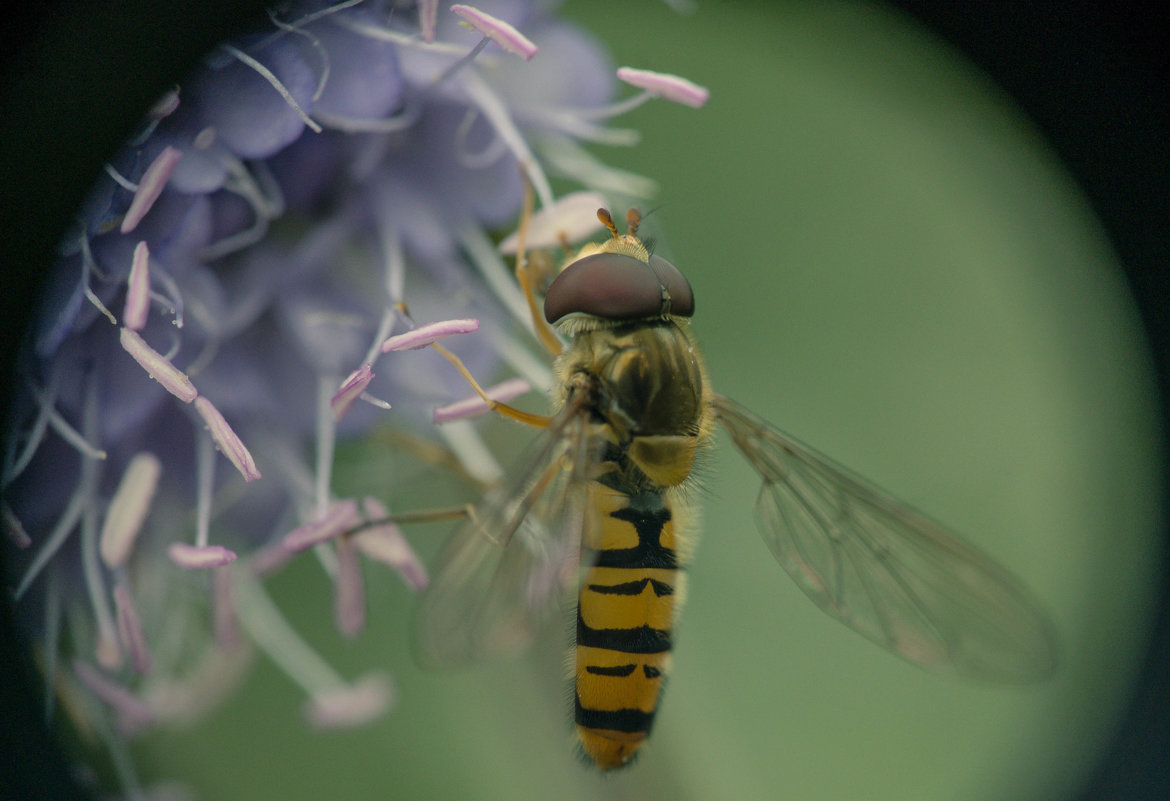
<point x="624" y="617"/>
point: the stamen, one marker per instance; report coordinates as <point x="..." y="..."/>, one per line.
<point x="394" y="267"/>
<point x="380" y="33"/>
<point x="195" y="557"/>
<point x="229" y="444"/>
<point x="566" y="156"/>
<point x="138" y="292"/>
<point x="326" y="441"/>
<point x="173" y="298"/>
<point x="130" y="630"/>
<point x="428" y="15"/>
<point x="494" y="151"/>
<point x="128" y="508"/>
<point x="14" y="465"/>
<point x="66" y="431"/>
<point x="204" y="139"/>
<point x="499" y="279"/>
<point x="118" y="750"/>
<point x="297" y="29"/>
<point x="376" y="402"/>
<point x="216" y="672"/>
<point x="384" y="542"/>
<point x="173" y="380"/>
<point x="52" y="640"/>
<point x="133" y="713"/>
<point x="223" y="607"/>
<point x="311" y="17"/>
<point x="89" y="293"/>
<point x="349" y="600"/>
<point x="150" y="186"/>
<point x="366" y="699"/>
<point x="109" y="654"/>
<point x="475" y="406"/>
<point x="458" y="65"/>
<point x="404" y="119"/>
<point x="272" y="633"/>
<point x="472" y="452"/>
<point x="120" y="179"/>
<point x="576" y="123"/>
<point x="13" y="527"/>
<point x="268" y="75"/>
<point x="428" y="334"/>
<point x="351" y="389"/>
<point x="340" y="518"/>
<point x="669" y="87"/>
<point x="573" y="217"/>
<point x="497" y="31"/>
<point x="165" y="105"/>
<point x="264" y="208"/>
<point x="204" y="487"/>
<point x="520" y="358"/>
<point x="496" y="112"/>
<point x="53" y="542"/>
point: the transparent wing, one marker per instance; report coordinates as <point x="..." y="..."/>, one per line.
<point x="885" y="570"/>
<point x="505" y="569"/>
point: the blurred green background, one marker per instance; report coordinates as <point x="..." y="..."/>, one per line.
<point x="890" y="265"/>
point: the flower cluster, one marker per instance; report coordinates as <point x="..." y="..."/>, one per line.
<point x="234" y="297"/>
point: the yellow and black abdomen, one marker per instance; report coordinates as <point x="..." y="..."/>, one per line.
<point x="625" y="612"/>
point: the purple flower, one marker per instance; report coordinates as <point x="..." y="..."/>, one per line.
<point x="236" y="283"/>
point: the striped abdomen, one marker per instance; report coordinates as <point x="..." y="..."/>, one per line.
<point x="626" y="608"/>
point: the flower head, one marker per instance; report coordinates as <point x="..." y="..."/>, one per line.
<point x="236" y="283"/>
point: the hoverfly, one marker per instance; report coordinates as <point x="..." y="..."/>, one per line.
<point x="600" y="506"/>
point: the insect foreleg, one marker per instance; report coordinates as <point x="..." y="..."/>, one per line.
<point x="544" y="331"/>
<point x="511" y="412"/>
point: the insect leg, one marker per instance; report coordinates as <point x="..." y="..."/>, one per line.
<point x="511" y="412"/>
<point x="423" y="516"/>
<point x="544" y="331"/>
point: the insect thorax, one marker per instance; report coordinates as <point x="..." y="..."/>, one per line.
<point x="648" y="397"/>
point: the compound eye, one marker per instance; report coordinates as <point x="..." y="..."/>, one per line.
<point x="682" y="297"/>
<point x="618" y="287"/>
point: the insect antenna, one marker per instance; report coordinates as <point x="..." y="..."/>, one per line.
<point x="633" y="218"/>
<point x="607" y="220"/>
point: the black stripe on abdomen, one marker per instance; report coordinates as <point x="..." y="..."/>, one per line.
<point x="660" y="588"/>
<point x="649" y="552"/>
<point x="619" y="670"/>
<point x="639" y="640"/>
<point x="625" y="720"/>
